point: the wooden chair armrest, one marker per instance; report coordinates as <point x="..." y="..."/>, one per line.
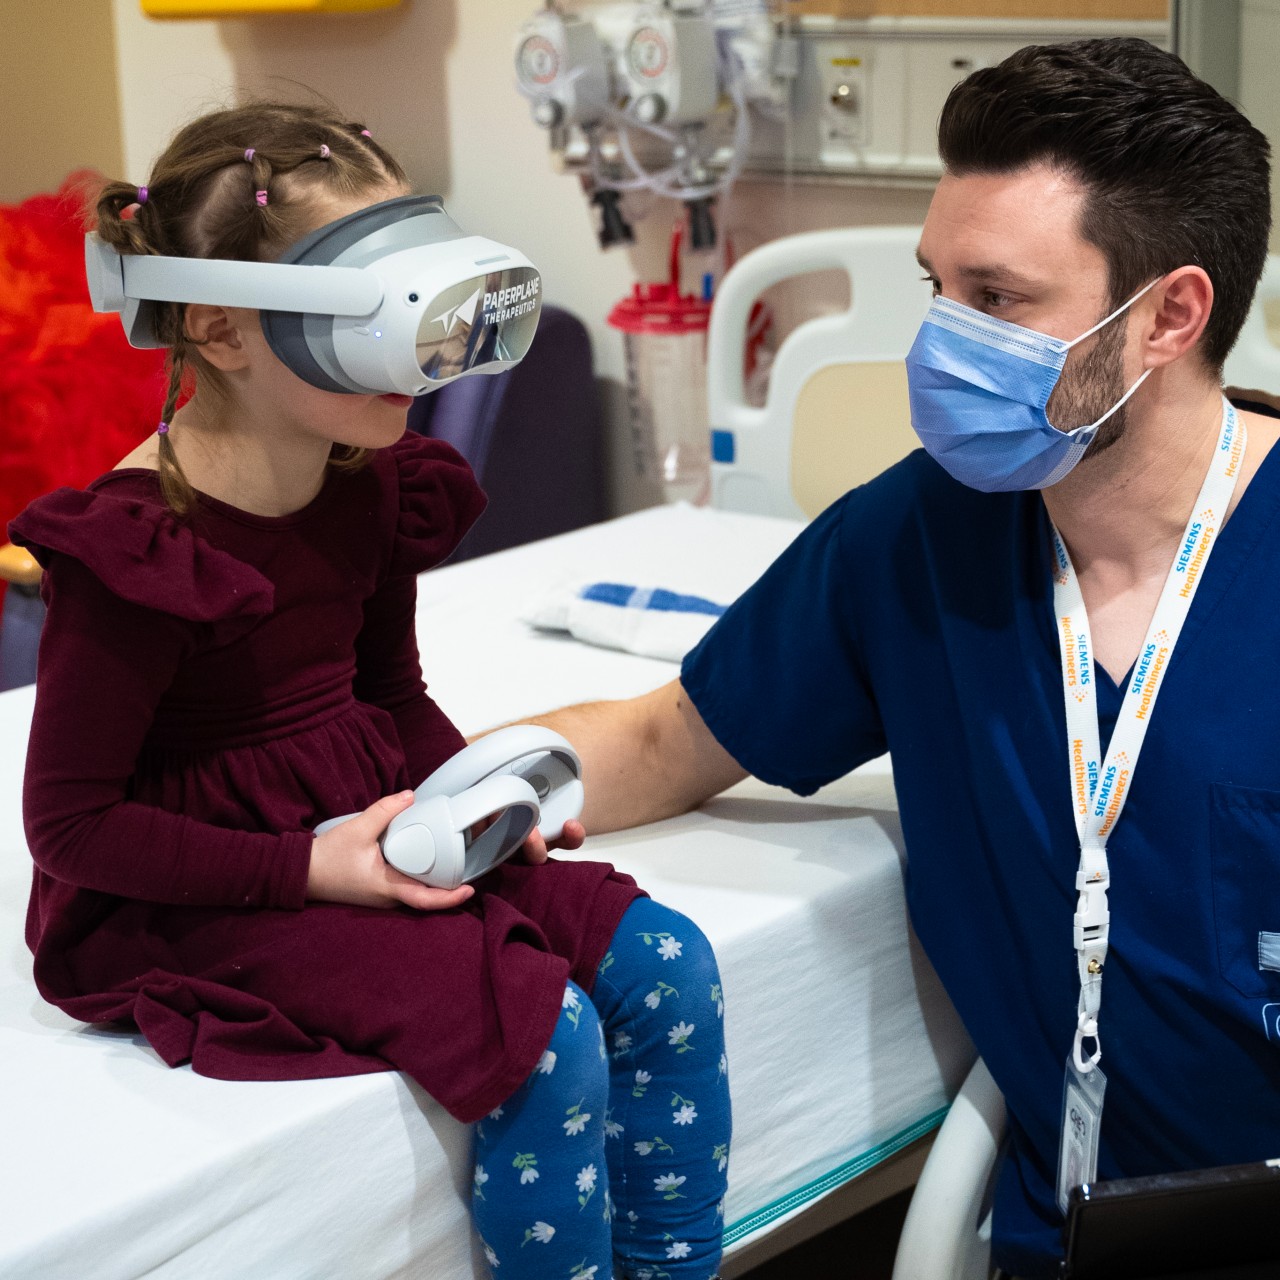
<point x="19" y="566"/>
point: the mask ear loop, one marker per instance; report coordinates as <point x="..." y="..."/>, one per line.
<point x="1146" y="373"/>
<point x="1106" y="320"/>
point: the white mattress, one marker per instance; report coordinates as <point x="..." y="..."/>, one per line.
<point x="842" y="1046"/>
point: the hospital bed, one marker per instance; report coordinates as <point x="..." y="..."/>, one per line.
<point x="844" y="1051"/>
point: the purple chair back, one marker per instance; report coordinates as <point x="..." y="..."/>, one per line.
<point x="533" y="435"/>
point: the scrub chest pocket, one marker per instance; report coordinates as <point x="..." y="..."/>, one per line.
<point x="1245" y="840"/>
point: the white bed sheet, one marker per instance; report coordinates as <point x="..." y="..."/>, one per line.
<point x="842" y="1046"/>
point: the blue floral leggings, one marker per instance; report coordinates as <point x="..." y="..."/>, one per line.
<point x="609" y="1161"/>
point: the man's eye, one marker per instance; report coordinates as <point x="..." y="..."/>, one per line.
<point x="933" y="284"/>
<point x="996" y="300"/>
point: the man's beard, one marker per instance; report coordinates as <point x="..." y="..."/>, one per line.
<point x="1091" y="388"/>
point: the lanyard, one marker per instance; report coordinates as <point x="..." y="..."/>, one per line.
<point x="1098" y="789"/>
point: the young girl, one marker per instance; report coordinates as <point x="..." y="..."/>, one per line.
<point x="228" y="659"/>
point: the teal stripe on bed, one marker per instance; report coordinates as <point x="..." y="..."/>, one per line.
<point x="836" y="1177"/>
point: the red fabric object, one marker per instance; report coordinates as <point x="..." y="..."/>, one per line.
<point x="208" y="693"/>
<point x="74" y="396"/>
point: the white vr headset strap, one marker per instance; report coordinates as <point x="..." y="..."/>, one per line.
<point x="116" y="279"/>
<point x="542" y="757"/>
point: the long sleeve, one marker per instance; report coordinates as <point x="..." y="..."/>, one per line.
<point x="105" y="663"/>
<point x="389" y="675"/>
<point x="436" y="502"/>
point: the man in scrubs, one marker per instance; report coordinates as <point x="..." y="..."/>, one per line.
<point x="1099" y="232"/>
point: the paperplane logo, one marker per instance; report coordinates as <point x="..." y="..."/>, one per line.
<point x="464" y="312"/>
<point x="1195" y="563"/>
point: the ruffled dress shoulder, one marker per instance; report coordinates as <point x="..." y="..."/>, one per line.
<point x="210" y="689"/>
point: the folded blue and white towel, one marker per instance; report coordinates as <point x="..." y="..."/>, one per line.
<point x="651" y="621"/>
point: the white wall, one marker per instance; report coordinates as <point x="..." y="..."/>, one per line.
<point x="1259" y="85"/>
<point x="433" y="80"/>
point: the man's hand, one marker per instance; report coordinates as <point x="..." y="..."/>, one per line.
<point x="347" y="866"/>
<point x="535" y="848"/>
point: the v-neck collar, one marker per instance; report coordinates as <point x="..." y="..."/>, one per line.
<point x="1253" y="516"/>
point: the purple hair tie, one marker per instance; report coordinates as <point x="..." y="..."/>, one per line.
<point x="162" y="429"/>
<point x="249" y="154"/>
<point x="142" y="195"/>
<point x="324" y="152"/>
<point x="261" y="198"/>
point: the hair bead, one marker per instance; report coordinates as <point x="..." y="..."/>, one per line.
<point x="364" y="133"/>
<point x="261" y="198"/>
<point x="162" y="429"/>
<point x="324" y="151"/>
<point x="142" y="195"/>
<point x="249" y="154"/>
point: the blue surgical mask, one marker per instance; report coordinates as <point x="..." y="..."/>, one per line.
<point x="978" y="389"/>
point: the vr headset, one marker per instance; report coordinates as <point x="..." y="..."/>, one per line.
<point x="393" y="298"/>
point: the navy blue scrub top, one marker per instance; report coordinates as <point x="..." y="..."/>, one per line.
<point x="916" y="616"/>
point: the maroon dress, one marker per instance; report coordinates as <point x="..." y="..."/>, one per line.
<point x="209" y="690"/>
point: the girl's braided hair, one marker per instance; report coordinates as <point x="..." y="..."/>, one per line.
<point x="238" y="183"/>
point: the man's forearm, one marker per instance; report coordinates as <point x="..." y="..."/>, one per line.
<point x="643" y="758"/>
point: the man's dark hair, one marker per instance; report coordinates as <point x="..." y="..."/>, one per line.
<point x="1175" y="175"/>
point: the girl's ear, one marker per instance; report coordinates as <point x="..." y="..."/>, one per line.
<point x="219" y="332"/>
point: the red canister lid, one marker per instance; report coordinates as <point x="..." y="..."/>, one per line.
<point x="661" y="307"/>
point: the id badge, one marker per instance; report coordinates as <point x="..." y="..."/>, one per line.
<point x="1081" y="1125"/>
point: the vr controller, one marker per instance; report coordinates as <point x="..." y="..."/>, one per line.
<point x="520" y="777"/>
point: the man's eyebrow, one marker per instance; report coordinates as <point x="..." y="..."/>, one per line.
<point x="994" y="273"/>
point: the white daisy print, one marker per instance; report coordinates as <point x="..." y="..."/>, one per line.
<point x="653" y="999"/>
<point x="527" y="1175"/>
<point x="679" y="1035"/>
<point x="495" y="1114"/>
<point x="547" y="1063"/>
<point x="621" y="1042"/>
<point x="526" y="1162"/>
<point x="586" y="1180"/>
<point x="678" y="1249"/>
<point x="490" y="1257"/>
<point x="643" y="1148"/>
<point x="577" y="1120"/>
<point x="686" y="1114"/>
<point x="724" y="1064"/>
<point x="478" y="1181"/>
<point x="643" y="1077"/>
<point x="541" y="1232"/>
<point x="669" y="948"/>
<point x="570" y="999"/>
<point x="667" y="1184"/>
<point x="612" y="1129"/>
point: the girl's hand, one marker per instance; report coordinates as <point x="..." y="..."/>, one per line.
<point x="347" y="866"/>
<point x="535" y="848"/>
